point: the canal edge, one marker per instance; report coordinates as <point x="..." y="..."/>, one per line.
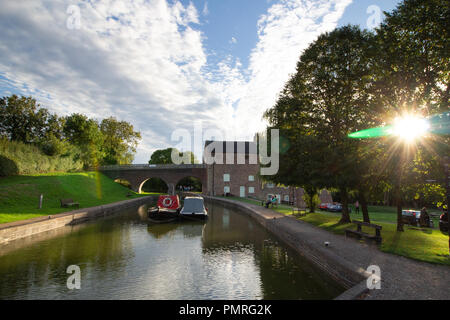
<point x="350" y="276"/>
<point x="25" y="228"/>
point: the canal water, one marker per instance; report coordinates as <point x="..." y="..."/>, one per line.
<point x="125" y="257"/>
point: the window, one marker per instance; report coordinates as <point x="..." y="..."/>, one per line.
<point x="286" y="198"/>
<point x="226" y="177"/>
<point x="226" y="189"/>
<point x="251" y="178"/>
<point x="251" y="189"/>
<point x="270" y="185"/>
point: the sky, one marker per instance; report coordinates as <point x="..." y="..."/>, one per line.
<point x="180" y="71"/>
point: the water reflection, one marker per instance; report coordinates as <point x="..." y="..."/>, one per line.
<point x="124" y="257"/>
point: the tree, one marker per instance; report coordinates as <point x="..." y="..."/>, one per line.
<point x="164" y="156"/>
<point x="119" y="141"/>
<point x="21" y="119"/>
<point x="411" y="75"/>
<point x="85" y="134"/>
<point x="322" y="103"/>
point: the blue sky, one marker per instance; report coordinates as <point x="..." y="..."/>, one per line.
<point x="171" y="68"/>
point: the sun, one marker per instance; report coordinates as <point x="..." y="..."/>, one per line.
<point x="409" y="128"/>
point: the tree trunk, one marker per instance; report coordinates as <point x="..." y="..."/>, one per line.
<point x="311" y="194"/>
<point x="364" y="208"/>
<point x="345" y="215"/>
<point x="398" y="203"/>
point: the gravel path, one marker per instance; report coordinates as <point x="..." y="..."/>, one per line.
<point x="401" y="278"/>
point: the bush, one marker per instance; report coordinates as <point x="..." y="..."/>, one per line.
<point x="311" y="203"/>
<point x="20" y="158"/>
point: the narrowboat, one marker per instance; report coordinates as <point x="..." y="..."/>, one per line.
<point x="167" y="210"/>
<point x="194" y="209"/>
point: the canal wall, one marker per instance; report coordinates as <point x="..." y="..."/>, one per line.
<point x="307" y="245"/>
<point x="26" y="228"/>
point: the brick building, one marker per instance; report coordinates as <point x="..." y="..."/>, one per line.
<point x="232" y="168"/>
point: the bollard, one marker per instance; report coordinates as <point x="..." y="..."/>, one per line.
<point x="40" y="201"/>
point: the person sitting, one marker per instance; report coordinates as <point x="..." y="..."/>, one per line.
<point x="274" y="201"/>
<point x="271" y="201"/>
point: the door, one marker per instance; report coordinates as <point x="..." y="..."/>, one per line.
<point x="242" y="192"/>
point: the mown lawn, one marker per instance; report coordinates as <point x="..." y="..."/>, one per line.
<point x="19" y="195"/>
<point x="423" y="244"/>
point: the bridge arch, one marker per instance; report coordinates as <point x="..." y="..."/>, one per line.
<point x="190" y="180"/>
<point x="170" y="174"/>
<point x="141" y="185"/>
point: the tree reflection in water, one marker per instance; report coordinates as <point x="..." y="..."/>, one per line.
<point x="125" y="257"/>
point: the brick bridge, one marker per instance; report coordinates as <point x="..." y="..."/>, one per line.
<point x="137" y="175"/>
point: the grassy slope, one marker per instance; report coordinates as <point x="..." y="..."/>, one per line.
<point x="418" y="243"/>
<point x="19" y="195"/>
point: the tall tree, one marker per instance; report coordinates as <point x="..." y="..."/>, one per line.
<point x="412" y="73"/>
<point x="22" y="119"/>
<point x="326" y="100"/>
<point x="86" y="135"/>
<point x="119" y="141"/>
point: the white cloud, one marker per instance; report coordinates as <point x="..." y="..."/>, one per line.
<point x="145" y="62"/>
<point x="283" y="33"/>
<point x="233" y="40"/>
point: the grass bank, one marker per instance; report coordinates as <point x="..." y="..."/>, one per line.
<point x="19" y="195"/>
<point x="20" y="158"/>
<point x="422" y="244"/>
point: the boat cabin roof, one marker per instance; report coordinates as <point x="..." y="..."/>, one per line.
<point x="193" y="204"/>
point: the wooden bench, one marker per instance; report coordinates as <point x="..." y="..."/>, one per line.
<point x="66" y="203"/>
<point x="299" y="211"/>
<point x="358" y="232"/>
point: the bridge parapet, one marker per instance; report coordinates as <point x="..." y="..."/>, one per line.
<point x="137" y="174"/>
<point x="151" y="166"/>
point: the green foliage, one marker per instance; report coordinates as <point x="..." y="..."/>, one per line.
<point x="349" y="80"/>
<point x="52" y="146"/>
<point x="312" y="200"/>
<point x="325" y="100"/>
<point x="164" y="156"/>
<point x="119" y="141"/>
<point x="20" y="158"/>
<point x="111" y="142"/>
<point x="86" y="135"/>
<point x="21" y="119"/>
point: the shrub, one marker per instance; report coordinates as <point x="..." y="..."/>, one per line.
<point x="20" y="158"/>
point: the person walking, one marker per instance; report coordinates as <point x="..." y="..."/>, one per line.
<point x="357" y="207"/>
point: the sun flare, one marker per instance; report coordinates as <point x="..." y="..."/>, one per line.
<point x="409" y="128"/>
